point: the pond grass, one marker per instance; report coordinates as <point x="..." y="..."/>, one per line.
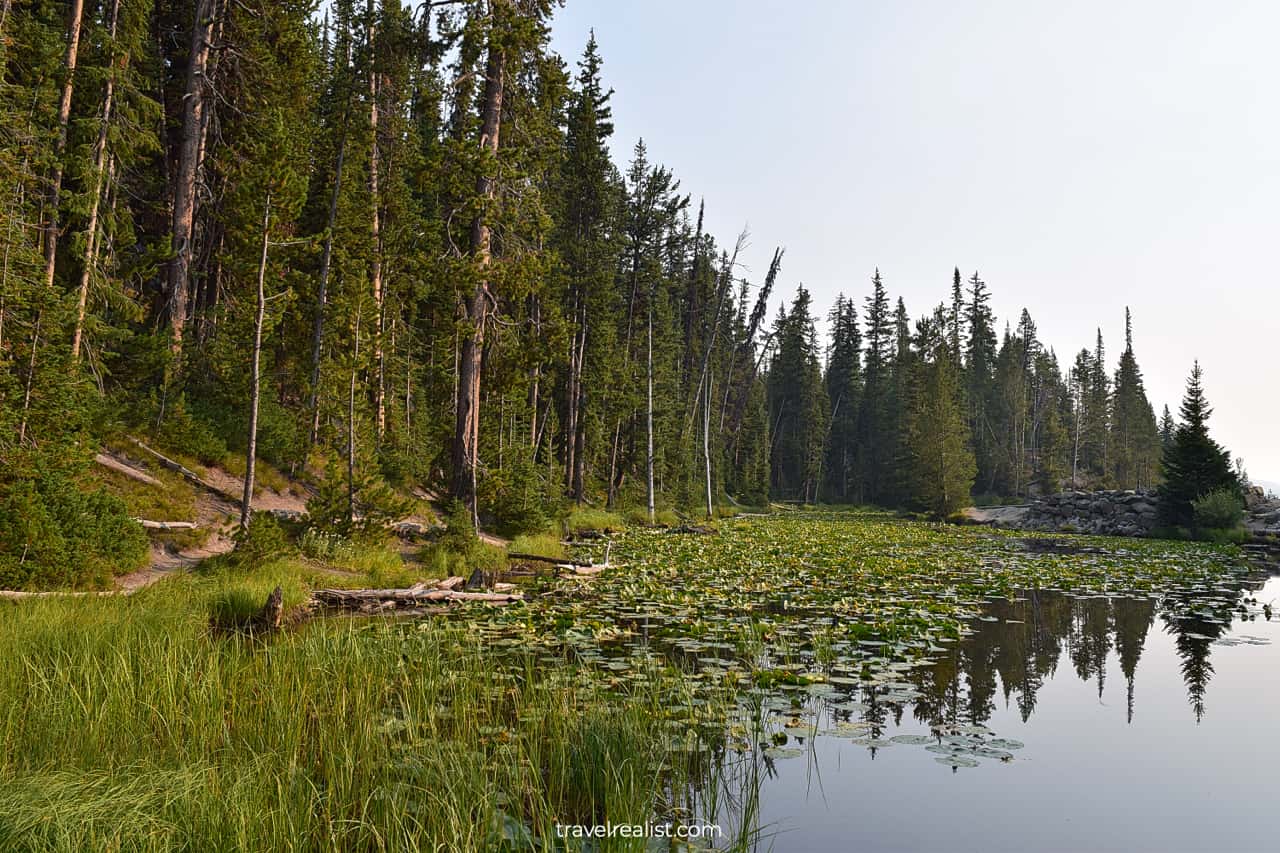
<point x="126" y="724"/>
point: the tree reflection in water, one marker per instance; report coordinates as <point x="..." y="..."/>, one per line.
<point x="1021" y="647"/>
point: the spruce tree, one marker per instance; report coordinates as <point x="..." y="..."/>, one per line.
<point x="1134" y="435"/>
<point x="844" y="390"/>
<point x="940" y="460"/>
<point x="1194" y="465"/>
<point x="980" y="355"/>
<point x="798" y="405"/>
<point x="875" y="446"/>
<point x="1168" y="427"/>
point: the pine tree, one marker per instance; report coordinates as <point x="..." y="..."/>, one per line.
<point x="1134" y="435"/>
<point x="1168" y="427"/>
<point x="874" y="413"/>
<point x="798" y="405"/>
<point x="1194" y="465"/>
<point x="844" y="389"/>
<point x="588" y="247"/>
<point x="901" y="402"/>
<point x="980" y="355"/>
<point x="941" y="463"/>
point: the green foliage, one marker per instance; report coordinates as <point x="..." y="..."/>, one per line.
<point x="587" y="519"/>
<point x="798" y="405"/>
<point x="441" y="561"/>
<point x="543" y="544"/>
<point x="193" y="435"/>
<point x="942" y="466"/>
<point x="359" y="508"/>
<point x="515" y="495"/>
<point x="1221" y="509"/>
<point x="260" y="542"/>
<point x="56" y="532"/>
<point x="1194" y="465"/>
<point x="459" y="530"/>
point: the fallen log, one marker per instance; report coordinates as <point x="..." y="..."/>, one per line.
<point x="538" y="558"/>
<point x="167" y="525"/>
<point x="113" y="464"/>
<point x="187" y="474"/>
<point x="18" y="595"/>
<point x="354" y="599"/>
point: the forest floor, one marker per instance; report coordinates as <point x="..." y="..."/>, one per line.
<point x="213" y="511"/>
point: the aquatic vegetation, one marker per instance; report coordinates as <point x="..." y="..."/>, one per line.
<point x="634" y="694"/>
<point x="810" y="599"/>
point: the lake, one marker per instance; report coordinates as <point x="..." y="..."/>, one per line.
<point x="1125" y="724"/>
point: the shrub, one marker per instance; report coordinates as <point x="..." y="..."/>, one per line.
<point x="376" y="505"/>
<point x="54" y="532"/>
<point x="259" y="543"/>
<point x="1218" y="510"/>
<point x="516" y="496"/>
<point x="440" y="561"/>
<point x="186" y="432"/>
<point x="459" y="531"/>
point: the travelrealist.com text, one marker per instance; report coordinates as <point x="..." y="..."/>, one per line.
<point x="638" y="830"/>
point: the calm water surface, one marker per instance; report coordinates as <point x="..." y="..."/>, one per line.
<point x="1141" y="730"/>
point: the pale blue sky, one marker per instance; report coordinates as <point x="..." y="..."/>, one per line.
<point x="1083" y="156"/>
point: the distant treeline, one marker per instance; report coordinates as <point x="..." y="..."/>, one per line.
<point x="390" y="245"/>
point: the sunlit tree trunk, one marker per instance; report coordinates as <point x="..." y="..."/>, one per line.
<point x="255" y="373"/>
<point x="99" y="170"/>
<point x="322" y="289"/>
<point x="190" y="152"/>
<point x="467" y="425"/>
<point x="64" y="118"/>
<point x="375" y="227"/>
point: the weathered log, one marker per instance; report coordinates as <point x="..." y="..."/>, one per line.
<point x="167" y="525"/>
<point x="18" y="595"/>
<point x="421" y="594"/>
<point x="538" y="558"/>
<point x="113" y="464"/>
<point x="187" y="474"/>
<point x="450" y="583"/>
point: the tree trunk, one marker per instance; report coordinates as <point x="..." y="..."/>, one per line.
<point x="571" y="395"/>
<point x="322" y="288"/>
<point x="64" y="118"/>
<point x="535" y="375"/>
<point x="190" y="150"/>
<point x="706" y="447"/>
<point x="467" y="426"/>
<point x="649" y="417"/>
<point x="375" y="228"/>
<point x="351" y="426"/>
<point x="99" y="169"/>
<point x="255" y="373"/>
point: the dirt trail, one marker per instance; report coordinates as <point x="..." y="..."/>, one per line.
<point x="215" y="513"/>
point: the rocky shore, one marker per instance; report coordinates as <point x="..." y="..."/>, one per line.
<point x="1113" y="512"/>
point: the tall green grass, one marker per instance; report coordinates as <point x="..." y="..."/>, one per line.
<point x="126" y="724"/>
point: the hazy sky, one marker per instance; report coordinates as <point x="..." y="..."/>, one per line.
<point x="1082" y="156"/>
